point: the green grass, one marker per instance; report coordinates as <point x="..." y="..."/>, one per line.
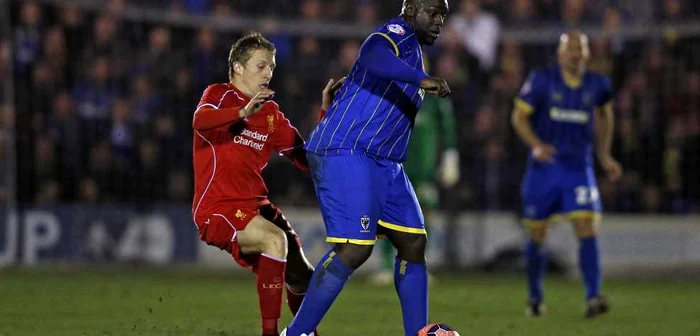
<point x="189" y="302"/>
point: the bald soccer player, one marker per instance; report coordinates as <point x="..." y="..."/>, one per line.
<point x="564" y="114"/>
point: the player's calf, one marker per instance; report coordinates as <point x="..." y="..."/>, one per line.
<point x="411" y="278"/>
<point x="263" y="237"/>
<point x="589" y="256"/>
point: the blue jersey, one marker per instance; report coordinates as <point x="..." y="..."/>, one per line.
<point x="371" y="114"/>
<point x="563" y="114"/>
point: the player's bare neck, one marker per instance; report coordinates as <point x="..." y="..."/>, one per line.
<point x="241" y="87"/>
<point x="572" y="78"/>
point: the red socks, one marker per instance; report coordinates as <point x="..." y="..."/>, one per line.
<point x="294" y="301"/>
<point x="270" y="271"/>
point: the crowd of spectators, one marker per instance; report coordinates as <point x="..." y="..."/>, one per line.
<point x="101" y="106"/>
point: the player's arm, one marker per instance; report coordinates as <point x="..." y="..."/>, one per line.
<point x="287" y="141"/>
<point x="523" y="128"/>
<point x="449" y="166"/>
<point x="209" y="115"/>
<point x="528" y="98"/>
<point x="605" y="126"/>
<point x="379" y="54"/>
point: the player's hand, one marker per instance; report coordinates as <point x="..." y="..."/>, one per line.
<point x="256" y="103"/>
<point x="611" y="167"/>
<point x="544" y="153"/>
<point x="436" y="86"/>
<point x="329" y="92"/>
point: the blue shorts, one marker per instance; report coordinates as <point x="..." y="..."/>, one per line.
<point x="358" y="192"/>
<point x="552" y="191"/>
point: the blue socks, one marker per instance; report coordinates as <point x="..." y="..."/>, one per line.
<point x="536" y="267"/>
<point x="411" y="282"/>
<point x="589" y="261"/>
<point x="326" y="283"/>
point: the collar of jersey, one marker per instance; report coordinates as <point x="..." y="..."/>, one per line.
<point x="238" y="92"/>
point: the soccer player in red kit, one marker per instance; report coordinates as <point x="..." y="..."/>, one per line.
<point x="236" y="126"/>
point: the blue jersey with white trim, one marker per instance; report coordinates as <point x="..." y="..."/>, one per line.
<point x="371" y="114"/>
<point x="563" y="114"/>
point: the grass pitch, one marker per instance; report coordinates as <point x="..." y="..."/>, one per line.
<point x="188" y="302"/>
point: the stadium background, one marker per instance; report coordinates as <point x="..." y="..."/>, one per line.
<point x="95" y="136"/>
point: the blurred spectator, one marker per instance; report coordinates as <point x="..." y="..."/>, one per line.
<point x="27" y="38"/>
<point x="106" y="44"/>
<point x="145" y="100"/>
<point x="672" y="10"/>
<point x="367" y="13"/>
<point x="479" y="31"/>
<point x="122" y="130"/>
<point x="150" y="180"/>
<point x="65" y="130"/>
<point x="208" y="61"/>
<point x="311" y="10"/>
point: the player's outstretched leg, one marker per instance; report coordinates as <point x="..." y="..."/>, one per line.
<point x="263" y="237"/>
<point x="298" y="271"/>
<point x="589" y="262"/>
<point x="329" y="277"/>
<point x="411" y="279"/>
<point x="536" y="267"/>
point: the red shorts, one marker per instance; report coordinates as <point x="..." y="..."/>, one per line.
<point x="220" y="229"/>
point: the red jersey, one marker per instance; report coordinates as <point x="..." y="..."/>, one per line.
<point x="229" y="158"/>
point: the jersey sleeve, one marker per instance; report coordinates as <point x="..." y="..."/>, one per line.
<point x="380" y="57"/>
<point x="606" y="92"/>
<point x="531" y="94"/>
<point x="210" y="112"/>
<point x="287" y="141"/>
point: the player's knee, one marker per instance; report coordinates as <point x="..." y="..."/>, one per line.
<point x="353" y="255"/>
<point x="411" y="247"/>
<point x="274" y="243"/>
<point x="585" y="228"/>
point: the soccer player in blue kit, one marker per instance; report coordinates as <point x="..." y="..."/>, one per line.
<point x="355" y="154"/>
<point x="561" y="113"/>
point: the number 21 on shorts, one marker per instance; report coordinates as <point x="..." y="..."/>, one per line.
<point x="586" y="195"/>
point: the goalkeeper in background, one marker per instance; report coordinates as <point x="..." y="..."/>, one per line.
<point x="434" y="132"/>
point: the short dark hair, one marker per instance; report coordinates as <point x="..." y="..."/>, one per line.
<point x="242" y="50"/>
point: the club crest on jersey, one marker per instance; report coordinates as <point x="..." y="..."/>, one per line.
<point x="364" y="222"/>
<point x="270" y="123"/>
<point x="396" y="29"/>
<point x="240" y="214"/>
